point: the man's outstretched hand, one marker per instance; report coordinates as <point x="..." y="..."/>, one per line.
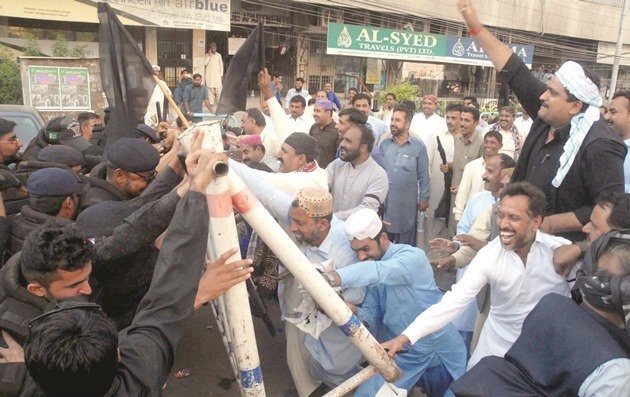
<point x="220" y="277"/>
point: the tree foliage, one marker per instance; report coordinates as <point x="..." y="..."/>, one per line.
<point x="403" y="91"/>
<point x="60" y="48"/>
<point x="11" y="85"/>
<point x="32" y="48"/>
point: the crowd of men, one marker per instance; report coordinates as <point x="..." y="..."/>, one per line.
<point x="103" y="247"/>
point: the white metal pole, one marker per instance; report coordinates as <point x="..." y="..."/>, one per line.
<point x="303" y="270"/>
<point x="223" y="236"/>
<point x="352" y="383"/>
<point x="618" y="47"/>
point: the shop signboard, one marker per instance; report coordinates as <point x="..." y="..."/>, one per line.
<point x="182" y="14"/>
<point x="382" y="43"/>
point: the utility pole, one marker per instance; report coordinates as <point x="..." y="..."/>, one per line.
<point x="615" y="70"/>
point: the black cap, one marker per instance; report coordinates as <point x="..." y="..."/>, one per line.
<point x="145" y="130"/>
<point x="303" y="144"/>
<point x="52" y="182"/>
<point x="59" y="128"/>
<point x="61" y="155"/>
<point x="133" y="155"/>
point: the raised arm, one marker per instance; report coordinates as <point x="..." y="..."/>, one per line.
<point x="498" y="52"/>
<point x="527" y="88"/>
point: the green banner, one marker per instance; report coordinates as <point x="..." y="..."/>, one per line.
<point x="374" y="42"/>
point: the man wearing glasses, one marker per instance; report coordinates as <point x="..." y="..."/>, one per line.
<point x="56" y="264"/>
<point x="129" y="169"/>
<point x="10" y="144"/>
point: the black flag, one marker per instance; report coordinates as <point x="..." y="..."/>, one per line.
<point x="250" y="58"/>
<point x="126" y="76"/>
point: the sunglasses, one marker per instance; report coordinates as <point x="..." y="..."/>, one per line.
<point x="79" y="306"/>
<point x="149" y="176"/>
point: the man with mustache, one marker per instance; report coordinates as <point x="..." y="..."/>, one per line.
<point x="512" y="137"/>
<point x="316" y="354"/>
<point x="468" y="147"/>
<point x="518" y="267"/>
<point x="472" y="179"/>
<point x="434" y="227"/>
<point x="570" y="152"/>
<point x="618" y="117"/>
<point x="407" y="167"/>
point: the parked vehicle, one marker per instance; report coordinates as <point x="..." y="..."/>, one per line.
<point x="28" y="119"/>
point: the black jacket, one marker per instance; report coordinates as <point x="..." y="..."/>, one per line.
<point x="597" y="168"/>
<point x="17" y="308"/>
<point x="23" y="224"/>
<point x="147" y="347"/>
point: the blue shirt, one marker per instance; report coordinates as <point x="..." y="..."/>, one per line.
<point x="407" y="167"/>
<point x="332" y="97"/>
<point x="400" y="286"/>
<point x="477" y="203"/>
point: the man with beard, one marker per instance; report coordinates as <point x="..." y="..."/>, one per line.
<point x="518" y="267"/>
<point x="351" y="117"/>
<point x="407" y="167"/>
<point x="356" y="181"/>
<point x="329" y="358"/>
<point x="13" y="193"/>
<point x="195" y="96"/>
<point x="10" y="144"/>
<point x="397" y="276"/>
<point x="129" y="169"/>
<point x="298" y="90"/>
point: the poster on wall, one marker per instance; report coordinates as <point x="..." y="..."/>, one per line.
<point x="75" y="88"/>
<point x="59" y="88"/>
<point x="44" y="87"/>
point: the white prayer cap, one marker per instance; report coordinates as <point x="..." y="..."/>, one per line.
<point x="363" y="224"/>
<point x="156" y="68"/>
<point x="572" y="77"/>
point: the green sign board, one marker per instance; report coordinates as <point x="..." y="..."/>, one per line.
<point x="375" y="42"/>
<point x="59" y="88"/>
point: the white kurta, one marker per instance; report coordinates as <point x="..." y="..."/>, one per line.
<point x="427" y="127"/>
<point x="514" y="291"/>
<point x="471" y="183"/>
<point x="213" y="70"/>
